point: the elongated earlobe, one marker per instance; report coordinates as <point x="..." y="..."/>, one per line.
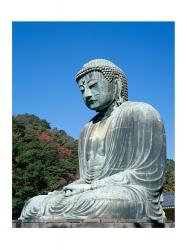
<point x="118" y="90"/>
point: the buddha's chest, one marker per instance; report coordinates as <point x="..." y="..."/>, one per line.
<point x="96" y="143"/>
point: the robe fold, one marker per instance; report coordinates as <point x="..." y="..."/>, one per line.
<point x="127" y="176"/>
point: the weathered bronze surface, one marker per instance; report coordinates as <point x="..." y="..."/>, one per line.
<point x="122" y="155"/>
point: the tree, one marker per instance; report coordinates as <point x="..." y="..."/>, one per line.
<point x="169" y="185"/>
<point x="42" y="158"/>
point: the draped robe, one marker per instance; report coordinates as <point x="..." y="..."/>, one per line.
<point x="123" y="157"/>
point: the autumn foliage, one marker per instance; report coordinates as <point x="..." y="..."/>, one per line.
<point x="44" y="137"/>
<point x="44" y="159"/>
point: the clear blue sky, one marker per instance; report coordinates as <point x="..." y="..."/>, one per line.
<point x="47" y="56"/>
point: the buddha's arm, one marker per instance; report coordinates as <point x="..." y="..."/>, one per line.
<point x="78" y="186"/>
<point x="148" y="158"/>
<point x="79" y="181"/>
<point x="75" y="187"/>
<point x="116" y="179"/>
<point x="121" y="178"/>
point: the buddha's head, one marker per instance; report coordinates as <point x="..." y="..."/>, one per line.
<point x="102" y="83"/>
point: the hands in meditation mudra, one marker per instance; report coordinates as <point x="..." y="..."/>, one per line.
<point x="122" y="156"/>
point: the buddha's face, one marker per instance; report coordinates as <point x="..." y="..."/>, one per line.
<point x="97" y="92"/>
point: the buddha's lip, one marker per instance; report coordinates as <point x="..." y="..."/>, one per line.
<point x="91" y="101"/>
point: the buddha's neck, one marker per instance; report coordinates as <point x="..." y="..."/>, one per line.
<point x="107" y="112"/>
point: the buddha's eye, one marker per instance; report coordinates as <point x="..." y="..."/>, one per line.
<point x="82" y="89"/>
<point x="91" y="85"/>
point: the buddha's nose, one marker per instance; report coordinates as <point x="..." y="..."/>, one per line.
<point x="87" y="93"/>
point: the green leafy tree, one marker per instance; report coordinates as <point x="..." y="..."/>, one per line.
<point x="169" y="185"/>
<point x="43" y="159"/>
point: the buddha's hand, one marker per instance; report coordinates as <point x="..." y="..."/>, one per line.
<point x="72" y="189"/>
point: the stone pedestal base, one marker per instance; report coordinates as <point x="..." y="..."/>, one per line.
<point x="94" y="223"/>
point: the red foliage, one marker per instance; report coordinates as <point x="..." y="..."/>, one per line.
<point x="58" y="147"/>
<point x="44" y="137"/>
<point x="64" y="152"/>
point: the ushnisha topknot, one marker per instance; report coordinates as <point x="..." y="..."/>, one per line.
<point x="109" y="70"/>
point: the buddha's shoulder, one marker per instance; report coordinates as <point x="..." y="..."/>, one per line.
<point x="137" y="106"/>
<point x="139" y="109"/>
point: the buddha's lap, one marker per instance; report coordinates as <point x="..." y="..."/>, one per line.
<point x="125" y="194"/>
<point x="111" y="201"/>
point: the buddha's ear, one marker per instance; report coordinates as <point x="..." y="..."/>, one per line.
<point x="118" y="85"/>
<point x="118" y="89"/>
